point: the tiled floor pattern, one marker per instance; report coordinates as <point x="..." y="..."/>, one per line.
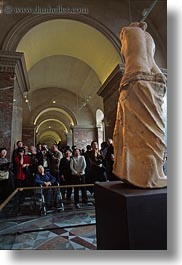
<point x="75" y="238"/>
<point x="22" y="228"/>
<point x="54" y="231"/>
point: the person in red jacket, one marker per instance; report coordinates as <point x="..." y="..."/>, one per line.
<point x="22" y="161"/>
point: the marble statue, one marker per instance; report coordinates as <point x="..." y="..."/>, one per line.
<point x="139" y="128"/>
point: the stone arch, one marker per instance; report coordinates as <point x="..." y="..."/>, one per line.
<point x="62" y="110"/>
<point x="25" y="24"/>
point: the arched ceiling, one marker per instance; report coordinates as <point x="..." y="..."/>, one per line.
<point x="52" y="123"/>
<point x="49" y="137"/>
<point x="64" y="72"/>
<point x="71" y="38"/>
<point x="67" y="62"/>
<point x="63" y="112"/>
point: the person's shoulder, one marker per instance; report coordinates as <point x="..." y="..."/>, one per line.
<point x="82" y="157"/>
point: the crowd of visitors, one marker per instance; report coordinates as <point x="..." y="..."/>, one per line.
<point x="40" y="165"/>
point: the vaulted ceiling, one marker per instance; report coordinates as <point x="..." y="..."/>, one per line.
<point x="67" y="62"/>
<point x="70" y="38"/>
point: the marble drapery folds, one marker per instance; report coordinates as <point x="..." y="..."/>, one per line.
<point x="139" y="128"/>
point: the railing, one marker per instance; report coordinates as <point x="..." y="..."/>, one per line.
<point x="20" y="189"/>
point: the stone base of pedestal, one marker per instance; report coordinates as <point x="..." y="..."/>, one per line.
<point x="130" y="218"/>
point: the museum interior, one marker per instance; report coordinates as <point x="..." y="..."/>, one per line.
<point x="60" y="72"/>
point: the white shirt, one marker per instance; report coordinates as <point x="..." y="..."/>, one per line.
<point x="78" y="165"/>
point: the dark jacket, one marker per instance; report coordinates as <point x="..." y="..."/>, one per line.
<point x="40" y="179"/>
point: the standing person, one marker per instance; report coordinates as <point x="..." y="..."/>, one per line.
<point x="65" y="173"/>
<point x="21" y="161"/>
<point x="44" y="157"/>
<point x="6" y="176"/>
<point x="109" y="160"/>
<point x="97" y="169"/>
<point x="103" y="151"/>
<point x="55" y="161"/>
<point x="29" y="177"/>
<point x="78" y="166"/>
<point x="39" y="153"/>
<point x="87" y="170"/>
<point x="19" y="144"/>
<point x="33" y="164"/>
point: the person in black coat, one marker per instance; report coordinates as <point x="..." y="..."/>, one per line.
<point x="65" y="173"/>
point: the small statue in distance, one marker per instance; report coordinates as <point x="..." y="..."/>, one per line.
<point x="138" y="137"/>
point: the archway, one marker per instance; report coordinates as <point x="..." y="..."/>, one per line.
<point x="67" y="62"/>
<point x="52" y="125"/>
<point x="66" y="38"/>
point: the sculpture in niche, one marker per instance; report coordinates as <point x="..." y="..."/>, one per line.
<point x="139" y="128"/>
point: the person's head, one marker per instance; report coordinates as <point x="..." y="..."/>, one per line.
<point x="40" y="169"/>
<point x="44" y="148"/>
<point x="82" y="151"/>
<point x="55" y="147"/>
<point x="94" y="145"/>
<point x="19" y="144"/>
<point x="26" y="149"/>
<point x="88" y="147"/>
<point x="76" y="152"/>
<point x="67" y="152"/>
<point x="109" y="141"/>
<point x="39" y="146"/>
<point x="103" y="145"/>
<point x="3" y="152"/>
<point x="74" y="147"/>
<point x="21" y="150"/>
<point x="33" y="150"/>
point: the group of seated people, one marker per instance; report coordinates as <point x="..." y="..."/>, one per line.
<point x="67" y="166"/>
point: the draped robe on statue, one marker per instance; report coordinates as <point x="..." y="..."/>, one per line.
<point x="139" y="129"/>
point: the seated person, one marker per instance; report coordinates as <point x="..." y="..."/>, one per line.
<point x="46" y="179"/>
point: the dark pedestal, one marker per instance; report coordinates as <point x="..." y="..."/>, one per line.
<point x="130" y="218"/>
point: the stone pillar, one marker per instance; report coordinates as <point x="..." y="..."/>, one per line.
<point x="28" y="135"/>
<point x="83" y="135"/>
<point x="110" y="94"/>
<point x="13" y="83"/>
<point x="69" y="139"/>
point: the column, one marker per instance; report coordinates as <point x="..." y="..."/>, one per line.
<point x="13" y="83"/>
<point x="69" y="139"/>
<point x="110" y="94"/>
<point x="28" y="135"/>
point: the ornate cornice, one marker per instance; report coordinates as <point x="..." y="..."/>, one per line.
<point x="81" y="126"/>
<point x="112" y="82"/>
<point x="14" y="64"/>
